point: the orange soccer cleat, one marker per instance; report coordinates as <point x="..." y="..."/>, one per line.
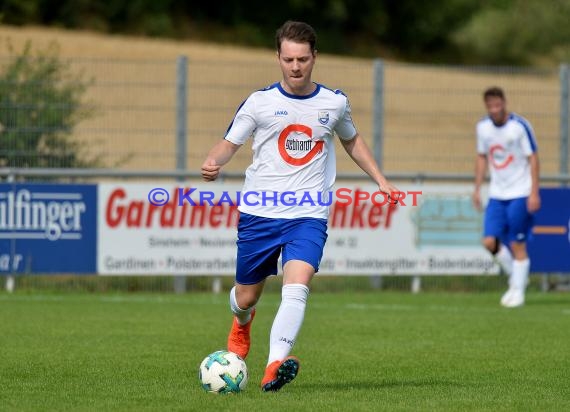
<point x="238" y="339"/>
<point x="279" y="373"/>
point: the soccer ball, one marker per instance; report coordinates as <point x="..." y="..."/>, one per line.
<point x="223" y="372"/>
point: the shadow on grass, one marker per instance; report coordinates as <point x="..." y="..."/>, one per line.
<point x="371" y="385"/>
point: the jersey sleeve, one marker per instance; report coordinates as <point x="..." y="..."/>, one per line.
<point x="243" y="124"/>
<point x="345" y="128"/>
<point x="528" y="142"/>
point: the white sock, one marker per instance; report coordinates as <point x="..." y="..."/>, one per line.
<point x="505" y="259"/>
<point x="520" y="274"/>
<point x="288" y="321"/>
<point x="243" y="315"/>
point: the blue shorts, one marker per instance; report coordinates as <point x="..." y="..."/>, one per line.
<point x="508" y="220"/>
<point x="261" y="240"/>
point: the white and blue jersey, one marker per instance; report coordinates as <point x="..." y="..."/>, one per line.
<point x="293" y="147"/>
<point x="507" y="148"/>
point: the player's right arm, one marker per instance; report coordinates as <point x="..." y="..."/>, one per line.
<point x="480" y="168"/>
<point x="240" y="129"/>
<point x="220" y="154"/>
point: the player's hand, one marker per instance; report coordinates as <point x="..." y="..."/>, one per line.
<point x="476" y="198"/>
<point x="210" y="170"/>
<point x="391" y="191"/>
<point x="533" y="202"/>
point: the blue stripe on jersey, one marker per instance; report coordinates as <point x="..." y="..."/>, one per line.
<point x="232" y="122"/>
<point x="294" y="96"/>
<point x="530" y="135"/>
<point x="335" y="91"/>
<point x="271" y="86"/>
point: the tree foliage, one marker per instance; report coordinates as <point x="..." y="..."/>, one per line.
<point x="447" y="30"/>
<point x="516" y="32"/>
<point x="406" y="27"/>
<point x="41" y="102"/>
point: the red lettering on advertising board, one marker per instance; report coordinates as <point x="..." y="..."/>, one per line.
<point x="350" y="210"/>
<point x="136" y="213"/>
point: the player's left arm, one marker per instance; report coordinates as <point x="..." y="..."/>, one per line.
<point x="533" y="201"/>
<point x="360" y="153"/>
<point x="529" y="147"/>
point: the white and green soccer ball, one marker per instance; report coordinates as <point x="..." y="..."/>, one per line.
<point x="223" y="372"/>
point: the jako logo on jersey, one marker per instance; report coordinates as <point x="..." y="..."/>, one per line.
<point x="323" y="117"/>
<point x="499" y="156"/>
<point x="284" y="144"/>
<point x="281" y="113"/>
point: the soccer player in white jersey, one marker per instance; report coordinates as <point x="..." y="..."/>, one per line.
<point x="506" y="141"/>
<point x="293" y="124"/>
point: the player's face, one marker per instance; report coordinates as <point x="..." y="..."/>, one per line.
<point x="296" y="61"/>
<point x="497" y="109"/>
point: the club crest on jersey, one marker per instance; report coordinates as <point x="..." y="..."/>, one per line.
<point x="323" y="117"/>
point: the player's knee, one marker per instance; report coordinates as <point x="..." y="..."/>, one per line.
<point x="491" y="244"/>
<point x="246" y="300"/>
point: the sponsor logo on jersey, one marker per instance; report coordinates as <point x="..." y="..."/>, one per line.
<point x="500" y="158"/>
<point x="281" y="113"/>
<point x="310" y="146"/>
<point x="299" y="145"/>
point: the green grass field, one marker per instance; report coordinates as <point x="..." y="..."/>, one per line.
<point x="359" y="352"/>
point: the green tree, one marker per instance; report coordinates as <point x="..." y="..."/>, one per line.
<point x="515" y="32"/>
<point x="41" y="103"/>
<point x="18" y="11"/>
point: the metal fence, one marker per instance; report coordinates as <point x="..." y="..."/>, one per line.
<point x="431" y="112"/>
<point x="165" y="115"/>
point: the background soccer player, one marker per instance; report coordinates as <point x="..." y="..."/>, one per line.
<point x="507" y="143"/>
<point x="293" y="124"/>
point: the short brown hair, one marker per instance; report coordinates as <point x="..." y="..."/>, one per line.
<point x="494" y="92"/>
<point x="296" y="31"/>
